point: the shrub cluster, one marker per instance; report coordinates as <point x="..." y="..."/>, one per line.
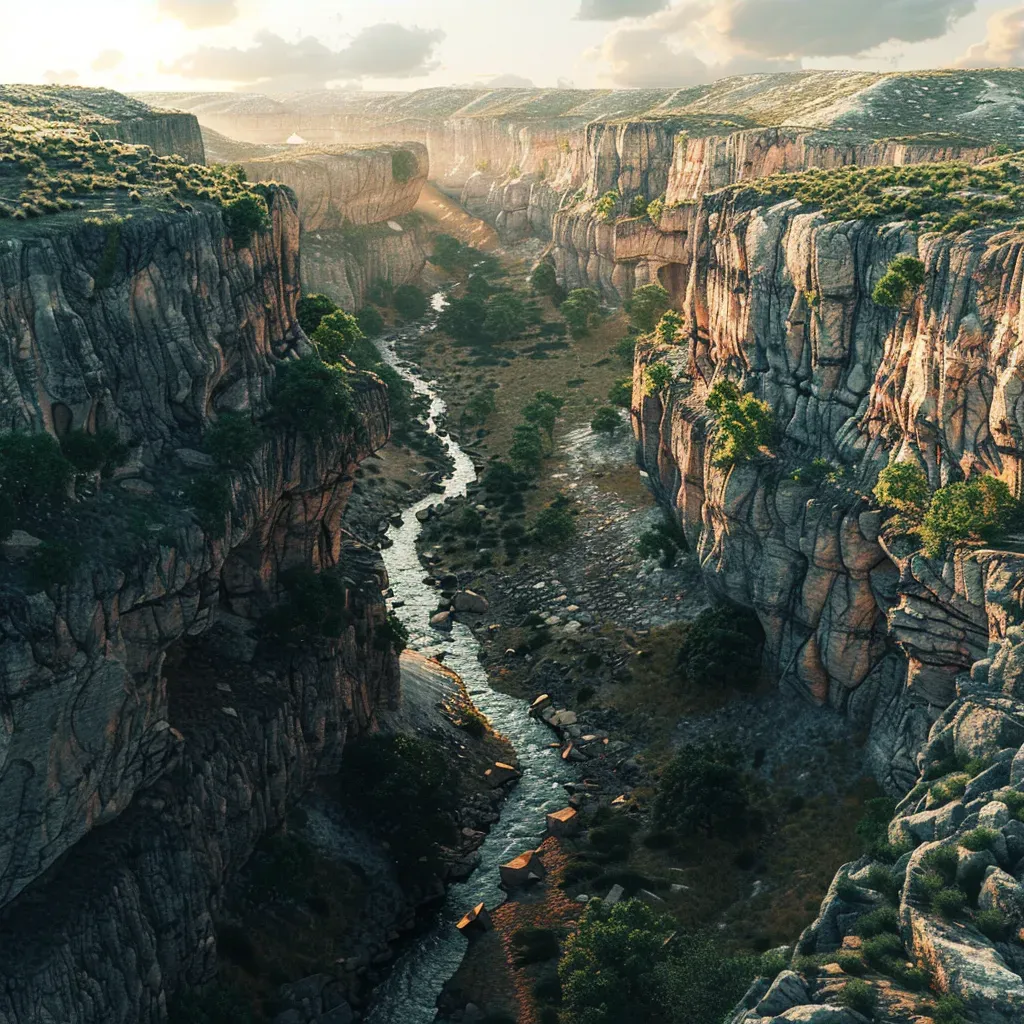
<point x="745" y="425"/>
<point x="721" y="647"/>
<point x="646" y="306"/>
<point x="581" y="311"/>
<point x="900" y="282"/>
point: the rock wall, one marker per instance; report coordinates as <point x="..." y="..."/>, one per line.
<point x="151" y="733"/>
<point x="166" y="132"/>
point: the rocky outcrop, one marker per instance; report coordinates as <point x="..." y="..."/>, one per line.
<point x="151" y="732"/>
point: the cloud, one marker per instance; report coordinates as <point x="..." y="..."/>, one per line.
<point x="509" y="82"/>
<point x="834" y="28"/>
<point x="200" y="13"/>
<point x="379" y="51"/>
<point x="107" y="60"/>
<point x="615" y="10"/>
<point x="1003" y="45"/>
<point x="641" y="58"/>
<point x="66" y="77"/>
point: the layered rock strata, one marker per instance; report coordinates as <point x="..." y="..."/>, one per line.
<point x="151" y="732"/>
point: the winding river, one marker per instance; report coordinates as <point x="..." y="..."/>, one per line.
<point x="409" y="994"/>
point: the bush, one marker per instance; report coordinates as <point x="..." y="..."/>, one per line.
<point x="702" y="790"/>
<point x="878" y="922"/>
<point x="94" y="453"/>
<point x="904" y="487"/>
<point x="661" y="542"/>
<point x="949" y="903"/>
<point x="527" y="451"/>
<point x="553" y="526"/>
<point x="548" y="989"/>
<point x="745" y="425"/>
<point x="311" y="309"/>
<point x="534" y="946"/>
<point x="646" y="306"/>
<point x="947" y="1010"/>
<point x="404" y="166"/>
<point x="336" y="335"/>
<point x="721" y="647"/>
<point x="581" y="311"/>
<point x="899" y="283"/>
<point x="233" y="440"/>
<point x="993" y="924"/>
<point x="392" y="633"/>
<point x="669" y="327"/>
<point x="621" y="393"/>
<point x="979" y="839"/>
<point x="409" y="302"/>
<point x="313" y="606"/>
<point x="883" y="881"/>
<point x="34" y="474"/>
<point x="370" y="321"/>
<point x="814" y="475"/>
<point x="657" y="377"/>
<point x="244" y="216"/>
<point x="473" y="722"/>
<point x="544" y="281"/>
<point x="860" y="996"/>
<point x="881" y="949"/>
<point x="638" y="205"/>
<point x="506" y="317"/>
<point x="606" y="421"/>
<point x="628" y="963"/>
<point x="625" y="350"/>
<point x="606" y="206"/>
<point x="480" y="407"/>
<point x="978" y="510"/>
<point x="314" y="399"/>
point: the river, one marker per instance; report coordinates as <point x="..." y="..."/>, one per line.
<point x="409" y="994"/>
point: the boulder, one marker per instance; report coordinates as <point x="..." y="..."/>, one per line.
<point x="1001" y="891"/>
<point x="615" y="893"/>
<point x="20" y="546"/>
<point x="994" y="815"/>
<point x="470" y="602"/>
<point x="825" y="1014"/>
<point x="476" y="921"/>
<point x="501" y="773"/>
<point x="564" y="823"/>
<point x="442" y="621"/>
<point x="786" y="991"/>
<point x="525" y="868"/>
<point x="340" y="1014"/>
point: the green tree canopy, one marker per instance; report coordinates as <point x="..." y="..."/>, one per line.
<point x="744" y="426"/>
<point x="581" y="310"/>
<point x="647" y="305"/>
<point x="337" y="335"/>
<point x="506" y="317"/>
<point x="311" y="310"/>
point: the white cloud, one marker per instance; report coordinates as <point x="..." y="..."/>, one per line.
<point x="1003" y="45"/>
<point x="200" y="13"/>
<point x="107" y="60"/>
<point x="615" y="10"/>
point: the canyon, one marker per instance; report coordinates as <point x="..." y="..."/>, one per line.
<point x="153" y="732"/>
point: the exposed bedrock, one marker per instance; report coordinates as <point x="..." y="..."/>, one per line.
<point x="782" y="298"/>
<point x="150" y="734"/>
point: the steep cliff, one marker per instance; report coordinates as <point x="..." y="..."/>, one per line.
<point x="153" y="727"/>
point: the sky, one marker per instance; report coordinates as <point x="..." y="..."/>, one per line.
<point x="270" y="46"/>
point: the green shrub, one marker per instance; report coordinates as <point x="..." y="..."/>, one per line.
<point x="314" y="399"/>
<point x="638" y="205"/>
<point x="949" y="903"/>
<point x="880" y="949"/>
<point x="34" y="474"/>
<point x="882" y="880"/>
<point x="647" y="305"/>
<point x="627" y="963"/>
<point x="548" y="989"/>
<point x="948" y="1010"/>
<point x="527" y="451"/>
<point x="313" y="606"/>
<point x="370" y="321"/>
<point x="481" y="406"/>
<point x="721" y="647"/>
<point x="337" y="335"/>
<point x="553" y="526"/>
<point x="544" y="281"/>
<point x="979" y="839"/>
<point x="209" y="495"/>
<point x="904" y="276"/>
<point x="669" y="327"/>
<point x="404" y="166"/>
<point x="655" y="208"/>
<point x="660" y="542"/>
<point x="233" y="440"/>
<point x="978" y="510"/>
<point x="100" y="453"/>
<point x="621" y="393"/>
<point x="702" y="790"/>
<point x="657" y="377"/>
<point x="506" y="317"/>
<point x="814" y="475"/>
<point x="581" y="310"/>
<point x="949" y="789"/>
<point x="1014" y="801"/>
<point x="606" y="421"/>
<point x="625" y="350"/>
<point x="849" y="890"/>
<point x="904" y="487"/>
<point x="993" y="924"/>
<point x="606" y="206"/>
<point x="860" y="996"/>
<point x="878" y="922"/>
<point x="744" y="424"/>
<point x="409" y="302"/>
<point x="873" y="827"/>
<point x="473" y="722"/>
<point x="244" y="216"/>
<point x="534" y="946"/>
<point x="392" y="633"/>
<point x="311" y="309"/>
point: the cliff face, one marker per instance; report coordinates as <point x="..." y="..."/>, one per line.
<point x="151" y="732"/>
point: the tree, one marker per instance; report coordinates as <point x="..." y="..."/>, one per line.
<point x="702" y="790"/>
<point x="479" y="407"/>
<point x="975" y="510"/>
<point x="904" y="487"/>
<point x="606" y="206"/>
<point x="581" y="310"/>
<point x="543" y="416"/>
<point x="544" y="282"/>
<point x="336" y="336"/>
<point x="506" y="317"/>
<point x="314" y="398"/>
<point x="899" y="283"/>
<point x="621" y="393"/>
<point x="463" y="319"/>
<point x="646" y="306"/>
<point x="638" y="205"/>
<point x="311" y="309"/>
<point x="409" y="302"/>
<point x="721" y="647"/>
<point x="657" y="377"/>
<point x="606" y="421"/>
<point x="371" y="323"/>
<point x="527" y="451"/>
<point x="655" y="208"/>
<point x="449" y="253"/>
<point x="244" y="216"/>
<point x="554" y="525"/>
<point x="669" y="327"/>
<point x="745" y="424"/>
